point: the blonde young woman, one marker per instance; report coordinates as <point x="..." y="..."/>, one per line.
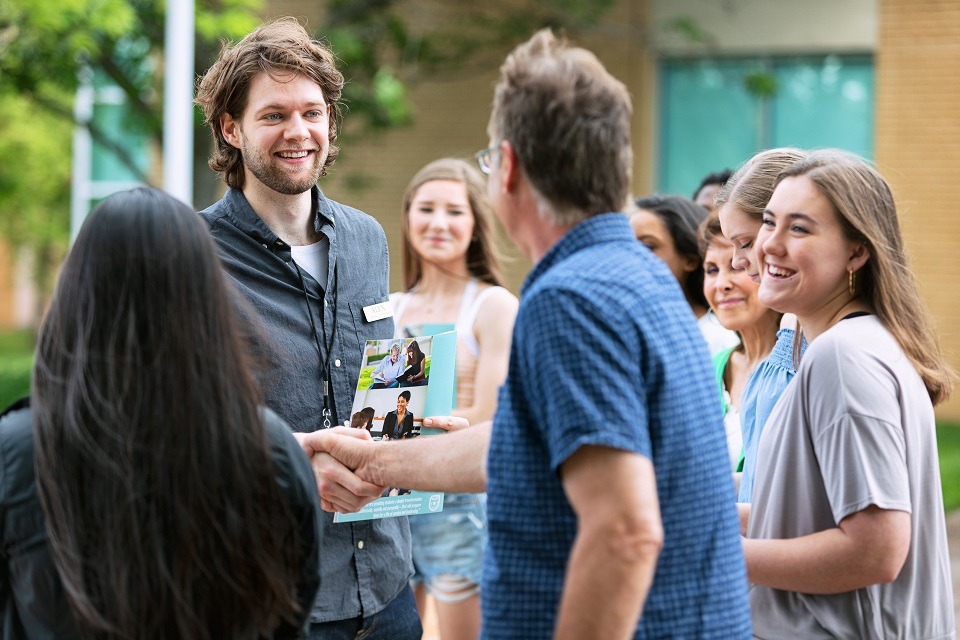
<point x="740" y="205"/>
<point x="451" y="275"/>
<point x="846" y="535"/>
<point x="732" y="296"/>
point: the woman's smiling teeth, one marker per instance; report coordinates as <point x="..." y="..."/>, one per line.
<point x="779" y="272"/>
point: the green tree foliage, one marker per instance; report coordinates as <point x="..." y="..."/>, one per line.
<point x="44" y="48"/>
<point x="34" y="184"/>
<point x="383" y="45"/>
<point x="386" y="45"/>
<point x="44" y="45"/>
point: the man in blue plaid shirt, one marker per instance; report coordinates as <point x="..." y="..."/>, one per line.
<point x="610" y="502"/>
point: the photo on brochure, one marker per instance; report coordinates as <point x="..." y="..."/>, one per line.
<point x="403" y="380"/>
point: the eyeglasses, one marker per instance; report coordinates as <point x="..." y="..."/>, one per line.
<point x="485" y="158"/>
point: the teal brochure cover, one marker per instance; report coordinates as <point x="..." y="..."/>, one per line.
<point x="403" y="380"/>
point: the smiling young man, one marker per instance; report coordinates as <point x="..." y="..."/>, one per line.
<point x="315" y="271"/>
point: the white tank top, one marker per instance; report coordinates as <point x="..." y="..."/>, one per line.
<point x="468" y="350"/>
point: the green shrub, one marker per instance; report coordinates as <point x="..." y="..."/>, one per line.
<point x="16" y="361"/>
<point x="948" y="442"/>
<point x="14" y="379"/>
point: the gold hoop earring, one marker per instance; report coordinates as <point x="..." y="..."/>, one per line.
<point x="852" y="282"/>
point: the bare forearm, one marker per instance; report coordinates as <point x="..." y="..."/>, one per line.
<point x="607" y="582"/>
<point x="454" y="462"/>
<point x="619" y="536"/>
<point x="743" y="512"/>
<point x="829" y="561"/>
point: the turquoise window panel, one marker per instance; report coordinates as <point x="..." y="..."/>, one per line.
<point x="824" y="102"/>
<point x="123" y="129"/>
<point x="711" y="120"/>
<point x="708" y="121"/>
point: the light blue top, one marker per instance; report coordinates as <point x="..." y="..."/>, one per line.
<point x="763" y="389"/>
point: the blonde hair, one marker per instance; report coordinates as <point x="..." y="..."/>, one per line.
<point x="483" y="256"/>
<point x="750" y="188"/>
<point x="865" y="206"/>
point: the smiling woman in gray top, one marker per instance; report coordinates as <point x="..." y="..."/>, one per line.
<point x="846" y="536"/>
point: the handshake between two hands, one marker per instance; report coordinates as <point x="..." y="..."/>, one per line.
<point x="349" y="466"/>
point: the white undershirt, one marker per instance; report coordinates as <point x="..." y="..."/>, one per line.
<point x="314" y="259"/>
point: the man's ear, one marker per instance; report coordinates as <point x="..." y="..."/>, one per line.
<point x="509" y="167"/>
<point x="230" y="129"/>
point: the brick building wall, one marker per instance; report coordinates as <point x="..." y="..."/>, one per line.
<point x="918" y="150"/>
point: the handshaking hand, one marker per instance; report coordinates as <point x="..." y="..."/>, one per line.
<point x="352" y="469"/>
<point x="340" y="488"/>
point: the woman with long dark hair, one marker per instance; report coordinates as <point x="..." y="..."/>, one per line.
<point x="173" y="505"/>
<point x="667" y="225"/>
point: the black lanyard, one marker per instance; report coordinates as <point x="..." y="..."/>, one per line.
<point x="324" y="355"/>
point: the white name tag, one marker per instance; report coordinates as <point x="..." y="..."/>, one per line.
<point x="378" y="311"/>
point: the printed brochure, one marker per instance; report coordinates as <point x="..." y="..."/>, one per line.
<point x="402" y="380"/>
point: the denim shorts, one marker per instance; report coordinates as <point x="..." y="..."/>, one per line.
<point x="448" y="547"/>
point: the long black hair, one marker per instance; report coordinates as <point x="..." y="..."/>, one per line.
<point x="682" y="218"/>
<point x="163" y="511"/>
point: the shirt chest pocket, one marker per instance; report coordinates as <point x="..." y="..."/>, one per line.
<point x="353" y="330"/>
<point x="364" y="329"/>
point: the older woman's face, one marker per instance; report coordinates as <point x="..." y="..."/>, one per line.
<point x="731" y="292"/>
<point x="394" y="353"/>
<point x="653" y="233"/>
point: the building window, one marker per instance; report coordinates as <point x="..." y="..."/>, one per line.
<point x="715" y="114"/>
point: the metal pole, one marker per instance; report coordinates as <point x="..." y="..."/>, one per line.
<point x="178" y="83"/>
<point x="82" y="152"/>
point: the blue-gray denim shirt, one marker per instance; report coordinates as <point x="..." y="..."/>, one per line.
<point x="363" y="565"/>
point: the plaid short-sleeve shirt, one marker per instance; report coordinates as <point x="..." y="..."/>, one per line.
<point x="607" y="352"/>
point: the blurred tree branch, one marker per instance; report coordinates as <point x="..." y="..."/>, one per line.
<point x="384" y="46"/>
